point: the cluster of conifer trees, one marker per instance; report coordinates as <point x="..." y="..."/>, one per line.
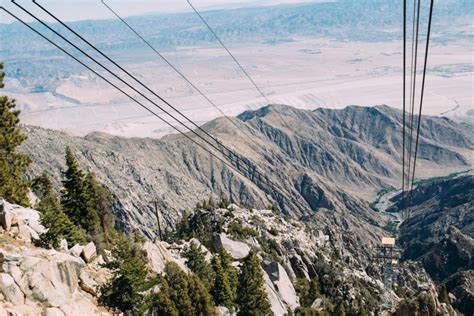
<point x="82" y="211"/>
<point x="198" y="292"/>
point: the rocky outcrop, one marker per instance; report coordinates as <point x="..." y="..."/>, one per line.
<point x="89" y="252"/>
<point x="237" y="250"/>
<point x="276" y="303"/>
<point x="282" y="283"/>
<point x="439" y="234"/>
<point x="46" y="281"/>
<point x="5" y="216"/>
<point x="20" y="222"/>
<point x="36" y="281"/>
<point x="157" y="256"/>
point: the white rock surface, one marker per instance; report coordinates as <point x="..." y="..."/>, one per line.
<point x="53" y="311"/>
<point x="283" y="284"/>
<point x="88" y="284"/>
<point x="89" y="252"/>
<point x="37" y="281"/>
<point x="317" y="303"/>
<point x="277" y="306"/>
<point x="157" y="256"/>
<point x="238" y="250"/>
<point x="29" y="216"/>
<point x="63" y="246"/>
<point x="10" y="290"/>
<point x="76" y="250"/>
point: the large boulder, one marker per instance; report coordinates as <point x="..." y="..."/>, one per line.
<point x="237" y="250"/>
<point x="277" y="305"/>
<point x="54" y="279"/>
<point x="28" y="216"/>
<point x="76" y="250"/>
<point x="63" y="246"/>
<point x="87" y="284"/>
<point x="51" y="277"/>
<point x="89" y="252"/>
<point x="157" y="256"/>
<point x="282" y="284"/>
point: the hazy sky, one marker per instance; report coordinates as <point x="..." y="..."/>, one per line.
<point x="73" y="10"/>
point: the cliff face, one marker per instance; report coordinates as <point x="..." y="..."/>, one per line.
<point x="322" y="164"/>
<point x="439" y="234"/>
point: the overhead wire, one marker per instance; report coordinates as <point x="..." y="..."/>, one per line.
<point x="404" y="97"/>
<point x="416" y="17"/>
<point x="229" y="155"/>
<point x="422" y="91"/>
<point x="112" y="84"/>
<point x="251" y="169"/>
<point x="180" y="73"/>
<point x="235" y="60"/>
<point x="412" y="166"/>
<point x="219" y="143"/>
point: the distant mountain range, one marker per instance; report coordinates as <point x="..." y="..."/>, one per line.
<point x="324" y="164"/>
<point x="356" y="20"/>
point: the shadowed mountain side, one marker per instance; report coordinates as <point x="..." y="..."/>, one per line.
<point x="359" y="148"/>
<point x="440" y="233"/>
<point x="311" y="171"/>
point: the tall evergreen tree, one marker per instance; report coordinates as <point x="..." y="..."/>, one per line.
<point x="252" y="298"/>
<point x="52" y="216"/>
<point x="160" y="303"/>
<point x="443" y="294"/>
<point x="186" y="292"/>
<point x="230" y="270"/>
<point x="197" y="263"/>
<point x="103" y="202"/>
<point x="340" y="307"/>
<point x="76" y="199"/>
<point x="125" y="290"/>
<point x="13" y="186"/>
<point x="221" y="289"/>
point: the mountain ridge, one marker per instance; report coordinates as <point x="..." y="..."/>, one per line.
<point x="316" y="173"/>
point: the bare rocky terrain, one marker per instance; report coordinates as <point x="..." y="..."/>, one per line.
<point x="440" y="235"/>
<point x="326" y="168"/>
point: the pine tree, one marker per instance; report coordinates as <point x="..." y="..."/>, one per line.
<point x="202" y="301"/>
<point x="197" y="263"/>
<point x="52" y="216"/>
<point x="230" y="270"/>
<point x="160" y="303"/>
<point x="340" y="307"/>
<point x="125" y="290"/>
<point x="443" y="294"/>
<point x="75" y="198"/>
<point x="13" y="186"/>
<point x="252" y="298"/>
<point x="221" y="290"/>
<point x="103" y="202"/>
<point x="42" y="185"/>
<point x="186" y="291"/>
<point x="184" y="230"/>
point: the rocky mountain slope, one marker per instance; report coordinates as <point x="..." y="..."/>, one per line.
<point x="440" y="235"/>
<point x="67" y="281"/>
<point x="323" y="165"/>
